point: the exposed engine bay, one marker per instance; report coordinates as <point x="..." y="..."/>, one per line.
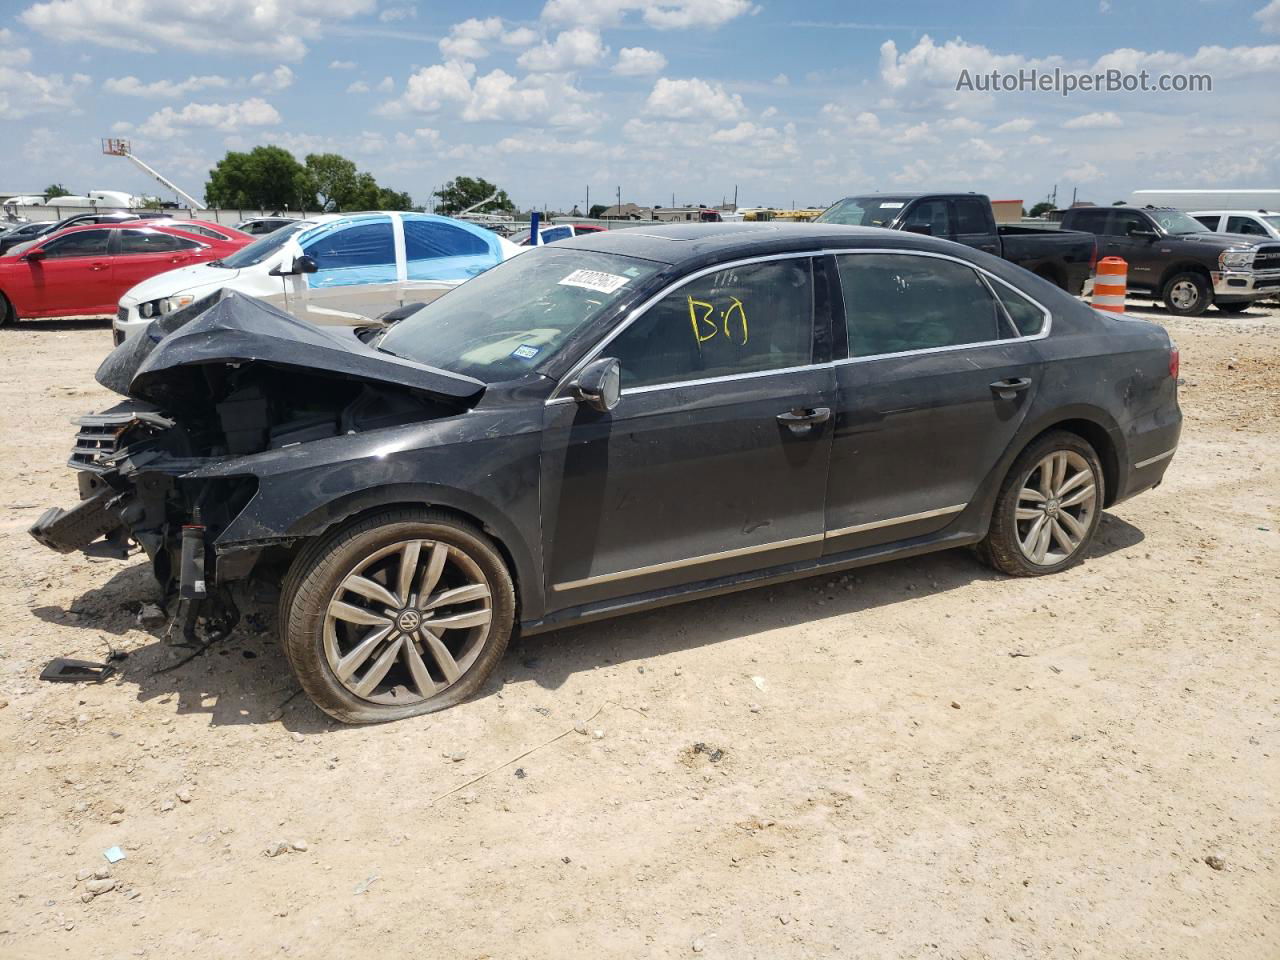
<point x="220" y="382"/>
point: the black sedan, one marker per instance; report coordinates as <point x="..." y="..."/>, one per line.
<point x="607" y="424"/>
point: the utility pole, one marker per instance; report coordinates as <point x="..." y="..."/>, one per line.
<point x="587" y="210"/>
<point x="735" y="196"/>
<point x="619" y="201"/>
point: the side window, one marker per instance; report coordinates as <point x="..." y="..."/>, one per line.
<point x="1026" y="316"/>
<point x="898" y="302"/>
<point x="1091" y="221"/>
<point x="932" y="214"/>
<point x="86" y="243"/>
<point x="152" y="241"/>
<point x="364" y="252"/>
<point x="439" y="251"/>
<point x="1210" y="221"/>
<point x="199" y="231"/>
<point x="1245" y="225"/>
<point x="739" y="320"/>
<point x="1121" y="223"/>
<point x="970" y="217"/>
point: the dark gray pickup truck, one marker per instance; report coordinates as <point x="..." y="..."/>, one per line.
<point x="1174" y="257"/>
<point x="1063" y="257"/>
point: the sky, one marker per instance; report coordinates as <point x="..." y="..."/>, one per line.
<point x="789" y="102"/>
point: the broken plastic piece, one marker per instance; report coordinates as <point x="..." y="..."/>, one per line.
<point x="66" y="670"/>
<point x="114" y="855"/>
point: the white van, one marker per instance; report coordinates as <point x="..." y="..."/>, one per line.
<point x="1252" y="223"/>
<point x="340" y="269"/>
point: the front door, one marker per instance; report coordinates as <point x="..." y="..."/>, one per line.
<point x="714" y="463"/>
<point x="74" y="276"/>
<point x="1144" y="255"/>
<point x="356" y="278"/>
<point x="937" y="382"/>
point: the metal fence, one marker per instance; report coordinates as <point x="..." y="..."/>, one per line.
<point x="228" y="217"/>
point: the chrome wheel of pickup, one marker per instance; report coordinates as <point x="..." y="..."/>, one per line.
<point x="408" y="621"/>
<point x="1184" y="295"/>
<point x="1055" y="508"/>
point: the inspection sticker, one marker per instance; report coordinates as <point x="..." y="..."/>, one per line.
<point x="526" y="351"/>
<point x="594" y="280"/>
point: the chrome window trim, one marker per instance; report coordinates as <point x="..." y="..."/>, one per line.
<point x="639" y="311"/>
<point x="747" y="551"/>
<point x="983" y="273"/>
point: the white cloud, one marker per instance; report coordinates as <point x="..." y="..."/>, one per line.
<point x="1094" y="121"/>
<point x="692" y="99"/>
<point x="519" y="37"/>
<point x="432" y="87"/>
<point x="537" y="98"/>
<point x="1220" y="62"/>
<point x="1269" y="17"/>
<point x="863" y="124"/>
<point x="1082" y="173"/>
<point x="385" y="85"/>
<point x="1037" y="140"/>
<point x="260" y="27"/>
<point x="579" y="47"/>
<point x="978" y="149"/>
<point x="12" y="55"/>
<point x="781" y="80"/>
<point x="358" y="86"/>
<point x="659" y="14"/>
<point x="254" y="112"/>
<point x="403" y="12"/>
<point x="745" y="132"/>
<point x="916" y="133"/>
<point x="281" y="78"/>
<point x="1016" y="125"/>
<point x="342" y="64"/>
<point x="638" y="62"/>
<point x="959" y="125"/>
<point x="466" y="40"/>
<point x="23" y="93"/>
<point x="161" y="89"/>
<point x="926" y="75"/>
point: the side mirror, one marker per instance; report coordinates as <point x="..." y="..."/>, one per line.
<point x="599" y="385"/>
<point x="923" y="228"/>
<point x="1140" y="234"/>
<point x="301" y="264"/>
<point x="35" y="255"/>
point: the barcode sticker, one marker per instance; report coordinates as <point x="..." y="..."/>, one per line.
<point x="594" y="280"/>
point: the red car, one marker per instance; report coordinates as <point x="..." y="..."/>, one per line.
<point x="83" y="271"/>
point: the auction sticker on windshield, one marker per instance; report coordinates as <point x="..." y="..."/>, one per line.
<point x="594" y="280"/>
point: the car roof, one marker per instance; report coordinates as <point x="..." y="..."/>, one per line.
<point x="1236" y="212"/>
<point x="681" y="244"/>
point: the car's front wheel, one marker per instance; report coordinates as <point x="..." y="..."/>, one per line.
<point x="401" y="613"/>
<point x="1048" y="508"/>
<point x="1187" y="295"/>
<point x="7" y="313"/>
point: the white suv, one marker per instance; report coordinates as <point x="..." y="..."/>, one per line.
<point x="1252" y="223"/>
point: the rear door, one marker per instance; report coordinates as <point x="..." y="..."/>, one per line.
<point x="143" y="252"/>
<point x="936" y="383"/>
<point x="74" y="276"/>
<point x="714" y="463"/>
<point x="439" y="255"/>
<point x="357" y="276"/>
<point x="975" y="224"/>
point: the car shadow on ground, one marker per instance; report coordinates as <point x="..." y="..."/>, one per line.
<point x="245" y="679"/>
<point x="60" y="325"/>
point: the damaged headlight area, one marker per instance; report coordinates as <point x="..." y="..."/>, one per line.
<point x="158" y="308"/>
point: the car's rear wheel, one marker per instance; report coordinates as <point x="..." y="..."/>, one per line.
<point x="1048" y="508"/>
<point x="1187" y="295"/>
<point x="7" y="313"/>
<point x="1239" y="307"/>
<point x="402" y="613"/>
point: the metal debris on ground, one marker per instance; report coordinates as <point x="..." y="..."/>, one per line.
<point x="66" y="670"/>
<point x="114" y="855"/>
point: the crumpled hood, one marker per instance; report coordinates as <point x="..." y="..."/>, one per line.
<point x="182" y="280"/>
<point x="163" y="366"/>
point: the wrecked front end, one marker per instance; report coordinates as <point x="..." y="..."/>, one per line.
<point x="169" y="469"/>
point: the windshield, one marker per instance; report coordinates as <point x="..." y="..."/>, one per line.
<point x="863" y="211"/>
<point x="509" y="319"/>
<point x="1272" y="222"/>
<point x="263" y="247"/>
<point x="1175" y="222"/>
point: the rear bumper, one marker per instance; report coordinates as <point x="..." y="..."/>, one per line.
<point x="1151" y="452"/>
<point x="1231" y="285"/>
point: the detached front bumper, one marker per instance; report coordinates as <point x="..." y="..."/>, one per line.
<point x="1245" y="284"/>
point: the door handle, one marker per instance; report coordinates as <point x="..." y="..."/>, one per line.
<point x="1008" y="389"/>
<point x="802" y="420"/>
<point x="98" y="266"/>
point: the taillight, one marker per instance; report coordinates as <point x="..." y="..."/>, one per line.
<point x="1175" y="361"/>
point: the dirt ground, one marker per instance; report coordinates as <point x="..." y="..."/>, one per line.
<point x="920" y="760"/>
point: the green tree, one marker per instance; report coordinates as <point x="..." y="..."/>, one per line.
<point x="1041" y="208"/>
<point x="462" y="192"/>
<point x="596" y="210"/>
<point x="265" y="177"/>
<point x="332" y="178"/>
<point x="56" y="190"/>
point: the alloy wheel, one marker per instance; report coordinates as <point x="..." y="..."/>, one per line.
<point x="1184" y="294"/>
<point x="1055" y="508"/>
<point x="407" y="622"/>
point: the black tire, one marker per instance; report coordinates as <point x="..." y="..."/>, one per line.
<point x="1238" y="307"/>
<point x="1002" y="546"/>
<point x="314" y="581"/>
<point x="1187" y="294"/>
<point x="7" y="314"/>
